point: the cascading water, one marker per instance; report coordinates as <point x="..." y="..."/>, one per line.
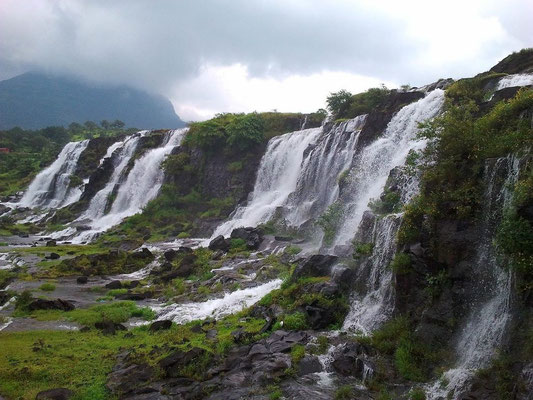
<point x="276" y="179"/>
<point x="322" y="167"/>
<point x="372" y="166"/>
<point x="50" y="188"/>
<point x="141" y="185"/>
<point x="120" y="160"/>
<point x="373" y="306"/>
<point x="484" y="330"/>
<point x="515" y="80"/>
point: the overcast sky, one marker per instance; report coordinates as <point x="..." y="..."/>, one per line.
<point x="211" y="56"/>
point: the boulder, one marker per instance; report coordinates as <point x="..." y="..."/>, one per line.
<point x="109" y="328"/>
<point x="53" y="256"/>
<point x="319" y="317"/>
<point x="82" y="280"/>
<point x="51" y="243"/>
<point x="58" y="304"/>
<point x="170" y="255"/>
<point x="179" y="359"/>
<point x="219" y="243"/>
<point x="160" y="325"/>
<point x="135" y="296"/>
<point x="309" y="365"/>
<point x="348" y="360"/>
<point x="114" y="285"/>
<point x="252" y="236"/>
<point x="315" y="265"/>
<point x="55" y="394"/>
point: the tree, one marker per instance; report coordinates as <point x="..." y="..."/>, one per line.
<point x="90" y="125"/>
<point x="75" y="127"/>
<point x="117" y="124"/>
<point x="105" y="124"/>
<point x="339" y="102"/>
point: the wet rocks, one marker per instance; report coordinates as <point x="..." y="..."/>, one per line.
<point x="127" y="377"/>
<point x="309" y="365"/>
<point x="58" y="304"/>
<point x="55" y="394"/>
<point x="51" y="243"/>
<point x="53" y="256"/>
<point x="315" y="265"/>
<point x="172" y="364"/>
<point x="82" y="280"/>
<point x="219" y="243"/>
<point x="252" y="236"/>
<point x="349" y="360"/>
<point x="108" y="327"/>
<point x="114" y="285"/>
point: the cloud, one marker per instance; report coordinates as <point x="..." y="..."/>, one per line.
<point x="210" y="55"/>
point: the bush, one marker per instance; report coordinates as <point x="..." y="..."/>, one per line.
<point x="364" y="249"/>
<point x="417" y="394"/>
<point x="295" y="322"/>
<point x="47" y="287"/>
<point x="329" y="222"/>
<point x="297" y="353"/>
<point x="401" y="263"/>
<point x="344" y="392"/>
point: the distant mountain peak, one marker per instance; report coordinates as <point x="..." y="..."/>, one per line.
<point x="35" y="100"/>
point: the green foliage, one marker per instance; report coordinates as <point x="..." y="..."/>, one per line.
<point x="47" y="287"/>
<point x="343" y="104"/>
<point x="344" y="392"/>
<point x="295" y="322"/>
<point x="118" y="312"/>
<point x="329" y="222"/>
<point x="417" y="394"/>
<point x="364" y="249"/>
<point x="297" y="353"/>
<point x="23" y="301"/>
<point x="235" y="166"/>
<point x="390" y="202"/>
<point x="401" y="263"/>
<point x="436" y="283"/>
<point x="293" y="250"/>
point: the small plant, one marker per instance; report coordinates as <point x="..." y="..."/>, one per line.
<point x="295" y="322"/>
<point x="297" y="353"/>
<point x="293" y="250"/>
<point x="329" y="222"/>
<point x="364" y="249"/>
<point x="183" y="235"/>
<point x="401" y="263"/>
<point x="323" y="344"/>
<point x="23" y="301"/>
<point x="417" y="394"/>
<point x="344" y="392"/>
<point x="47" y="287"/>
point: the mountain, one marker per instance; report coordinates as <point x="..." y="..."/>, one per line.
<point x="34" y="100"/>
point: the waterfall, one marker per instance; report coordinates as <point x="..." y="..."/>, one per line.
<point x="372" y="165"/>
<point x="121" y="158"/>
<point x="276" y="179"/>
<point x="515" y="80"/>
<point x="322" y="169"/>
<point x="50" y="188"/>
<point x="485" y="327"/>
<point x="372" y="306"/>
<point x="141" y="185"/>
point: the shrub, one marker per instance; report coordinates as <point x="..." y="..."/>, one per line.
<point x="297" y="353"/>
<point x="329" y="222"/>
<point x="23" y="301"/>
<point x="47" y="287"/>
<point x="295" y="322"/>
<point x="417" y="394"/>
<point x="401" y="263"/>
<point x="364" y="249"/>
<point x="344" y="392"/>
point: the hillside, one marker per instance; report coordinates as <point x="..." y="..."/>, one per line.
<point x="34" y="101"/>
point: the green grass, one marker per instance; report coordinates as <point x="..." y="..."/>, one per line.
<point x="344" y="392"/>
<point x="47" y="287"/>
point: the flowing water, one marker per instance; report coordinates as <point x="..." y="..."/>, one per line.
<point x="141" y="185"/>
<point x="50" y="188"/>
<point x="371" y="169"/>
<point x="485" y="328"/>
<point x="276" y="179"/>
<point x="515" y="80"/>
<point x="216" y="308"/>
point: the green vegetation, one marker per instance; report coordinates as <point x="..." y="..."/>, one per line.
<point x="344" y="105"/>
<point x="417" y="394"/>
<point x="329" y="222"/>
<point x="344" y="392"/>
<point x="31" y="151"/>
<point x="390" y="202"/>
<point x="47" y="287"/>
<point x="297" y="353"/>
<point x="241" y="132"/>
<point x="401" y="263"/>
<point x="363" y="249"/>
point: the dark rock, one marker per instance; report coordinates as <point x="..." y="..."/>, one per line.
<point x="160" y="325"/>
<point x="135" y="296"/>
<point x="170" y="255"/>
<point x="309" y="365"/>
<point x="342" y="276"/>
<point x="283" y="238"/>
<point x="129" y="378"/>
<point x="348" y="360"/>
<point x="132" y="284"/>
<point x="81" y="280"/>
<point x="53" y="256"/>
<point x="211" y="334"/>
<point x="114" y="285"/>
<point x="315" y="265"/>
<point x="109" y="328"/>
<point x="58" y="304"/>
<point x="55" y="394"/>
<point x="252" y="236"/>
<point x="219" y="243"/>
<point x="179" y="359"/>
<point x="51" y="243"/>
